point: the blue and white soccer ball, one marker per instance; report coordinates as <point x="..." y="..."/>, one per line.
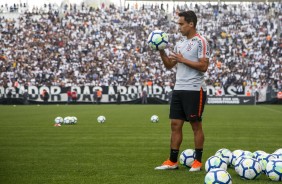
<point x="154" y="119"/>
<point x="74" y="119"/>
<point x="239" y="160"/>
<point x="274" y="170"/>
<point x="258" y="153"/>
<point x="249" y="154"/>
<point x="215" y="162"/>
<point x="249" y="169"/>
<point x="224" y="154"/>
<point x="187" y="157"/>
<point x="277" y="156"/>
<point x="67" y="120"/>
<point x="216" y="176"/>
<point x="71" y="120"/>
<point x="278" y="151"/>
<point x="101" y="119"/>
<point x="235" y="154"/>
<point x="264" y="159"/>
<point x="158" y="40"/>
<point x="59" y="120"/>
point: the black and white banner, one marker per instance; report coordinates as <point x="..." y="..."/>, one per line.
<point x="221" y="100"/>
<point x="128" y="93"/>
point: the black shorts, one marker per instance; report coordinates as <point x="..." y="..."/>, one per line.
<point x="187" y="105"/>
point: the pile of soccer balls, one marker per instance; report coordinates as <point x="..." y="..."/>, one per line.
<point x="248" y="165"/>
<point x="68" y="120"/>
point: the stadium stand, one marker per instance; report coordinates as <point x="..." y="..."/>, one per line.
<point x="77" y="45"/>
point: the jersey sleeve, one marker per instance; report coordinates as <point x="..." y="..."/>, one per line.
<point x="203" y="48"/>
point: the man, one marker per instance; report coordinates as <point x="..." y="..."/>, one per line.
<point x="45" y="96"/>
<point x="144" y="97"/>
<point x="99" y="96"/>
<point x="95" y="96"/>
<point x="69" y="95"/>
<point x="189" y="95"/>
<point x="25" y="97"/>
<point x="74" y="96"/>
<point x="9" y="97"/>
<point x="118" y="97"/>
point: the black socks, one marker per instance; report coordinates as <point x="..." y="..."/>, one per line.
<point x="173" y="155"/>
<point x="198" y="154"/>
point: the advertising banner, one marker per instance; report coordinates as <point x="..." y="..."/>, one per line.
<point x="85" y="94"/>
<point x="238" y="100"/>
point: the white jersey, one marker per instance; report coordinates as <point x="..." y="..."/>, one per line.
<point x="192" y="49"/>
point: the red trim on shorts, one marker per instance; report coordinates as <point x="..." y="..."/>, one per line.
<point x="200" y="103"/>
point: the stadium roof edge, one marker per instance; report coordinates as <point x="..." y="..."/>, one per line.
<point x="267" y="1"/>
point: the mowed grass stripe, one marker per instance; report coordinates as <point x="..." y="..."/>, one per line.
<point x="127" y="147"/>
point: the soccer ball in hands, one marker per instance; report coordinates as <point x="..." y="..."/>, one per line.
<point x="249" y="169"/>
<point x="101" y="119"/>
<point x="215" y="162"/>
<point x="187" y="157"/>
<point x="154" y="119"/>
<point x="274" y="170"/>
<point x="218" y="176"/>
<point x="158" y="40"/>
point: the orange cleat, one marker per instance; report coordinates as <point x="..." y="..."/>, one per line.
<point x="196" y="166"/>
<point x="167" y="165"/>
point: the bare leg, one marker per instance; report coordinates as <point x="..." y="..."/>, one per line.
<point x="176" y="133"/>
<point x="199" y="137"/>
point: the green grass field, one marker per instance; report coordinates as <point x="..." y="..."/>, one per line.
<point x="127" y="147"/>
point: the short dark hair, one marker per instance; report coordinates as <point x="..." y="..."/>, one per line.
<point x="189" y="16"/>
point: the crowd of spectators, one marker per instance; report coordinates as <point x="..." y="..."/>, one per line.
<point x="78" y="45"/>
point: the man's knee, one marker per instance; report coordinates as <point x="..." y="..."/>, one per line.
<point x="196" y="126"/>
<point x="176" y="125"/>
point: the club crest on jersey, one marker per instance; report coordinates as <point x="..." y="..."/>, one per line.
<point x="190" y="46"/>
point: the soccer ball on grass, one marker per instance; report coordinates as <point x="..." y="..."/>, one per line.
<point x="187" y="157"/>
<point x="264" y="159"/>
<point x="238" y="161"/>
<point x="249" y="169"/>
<point x="216" y="176"/>
<point x="59" y="120"/>
<point x="101" y="119"/>
<point x="154" y="119"/>
<point x="234" y="155"/>
<point x="258" y="153"/>
<point x="274" y="170"/>
<point x="67" y="120"/>
<point x="215" y="162"/>
<point x="224" y="154"/>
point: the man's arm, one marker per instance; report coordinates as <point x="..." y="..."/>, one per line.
<point x="202" y="65"/>
<point x="168" y="62"/>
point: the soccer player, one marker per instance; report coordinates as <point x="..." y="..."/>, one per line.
<point x="191" y="56"/>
